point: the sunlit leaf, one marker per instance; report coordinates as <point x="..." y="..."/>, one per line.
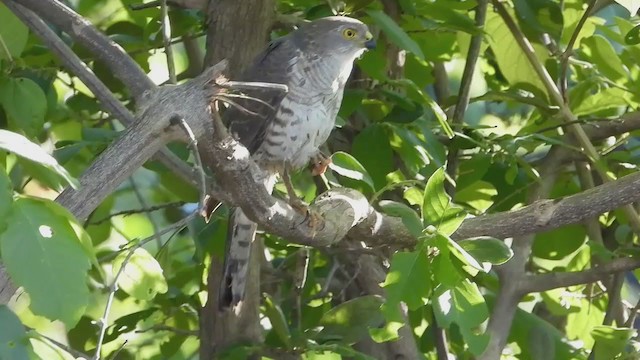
<point x="600" y="51"/>
<point x="631" y="5"/>
<point x="408" y="279"/>
<point x="347" y="166"/>
<point x="142" y="277"/>
<point x="437" y="208"/>
<point x="611" y="341"/>
<point x="465" y="306"/>
<point x="42" y="253"/>
<point x="512" y="61"/>
<point x="21" y="146"/>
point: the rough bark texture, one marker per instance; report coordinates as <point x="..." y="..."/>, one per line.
<point x="237" y="31"/>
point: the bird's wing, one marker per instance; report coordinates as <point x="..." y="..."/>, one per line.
<point x="273" y="66"/>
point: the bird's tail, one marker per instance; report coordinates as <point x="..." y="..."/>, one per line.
<point x="240" y="235"/>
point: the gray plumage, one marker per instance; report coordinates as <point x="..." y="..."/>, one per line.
<point x="314" y="61"/>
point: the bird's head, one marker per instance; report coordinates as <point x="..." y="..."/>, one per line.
<point x="338" y="35"/>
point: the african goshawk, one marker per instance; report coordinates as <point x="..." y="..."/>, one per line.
<point x="314" y="62"/>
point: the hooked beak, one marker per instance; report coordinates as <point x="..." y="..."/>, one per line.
<point x="369" y="43"/>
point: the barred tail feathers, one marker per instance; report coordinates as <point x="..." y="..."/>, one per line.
<point x="240" y="235"/>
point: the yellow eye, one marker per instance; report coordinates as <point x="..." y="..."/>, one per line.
<point x="349" y="33"/>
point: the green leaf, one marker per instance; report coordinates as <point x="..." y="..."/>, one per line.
<point x="479" y="195"/>
<point x="607" y="99"/>
<point x="142" y="277"/>
<point x="410" y="218"/>
<point x="13" y="34"/>
<point x="351" y="320"/>
<point x="465" y="257"/>
<point x="437" y="208"/>
<point x="487" y="250"/>
<point x="277" y="320"/>
<point x="22" y="147"/>
<point x="6" y="197"/>
<point x="25" y="103"/>
<point x="347" y="166"/>
<point x="378" y="159"/>
<point x="611" y="341"/>
<point x="513" y="63"/>
<point x="465" y="306"/>
<point x="580" y="323"/>
<point x="408" y="279"/>
<point x="631" y="5"/>
<point x="42" y="253"/>
<point x="395" y="33"/>
<point x="542" y="16"/>
<point x="603" y="55"/>
<point x="436" y="110"/>
<point x="633" y="36"/>
<point x="14" y="341"/>
<point x="559" y="243"/>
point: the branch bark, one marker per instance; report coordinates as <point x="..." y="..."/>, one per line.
<point x="543" y="282"/>
<point x="106" y="50"/>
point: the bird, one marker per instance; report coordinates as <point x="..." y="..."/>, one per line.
<point x="284" y="134"/>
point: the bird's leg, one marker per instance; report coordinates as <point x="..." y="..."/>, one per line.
<point x="314" y="217"/>
<point x="320" y="163"/>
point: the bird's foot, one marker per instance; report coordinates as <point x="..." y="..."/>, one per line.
<point x="320" y="163"/>
<point x="314" y="218"/>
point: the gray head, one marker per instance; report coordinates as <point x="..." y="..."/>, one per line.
<point x="337" y="35"/>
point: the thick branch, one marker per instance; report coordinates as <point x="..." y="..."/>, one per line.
<point x="107" y="51"/>
<point x="153" y="130"/>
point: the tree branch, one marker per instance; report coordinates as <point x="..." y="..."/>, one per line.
<point x="101" y="92"/>
<point x="139" y="142"/>
<point x="465" y="87"/>
<point x="106" y="50"/>
<point x="539" y="283"/>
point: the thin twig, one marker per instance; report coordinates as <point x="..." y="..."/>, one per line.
<point x="614" y="292"/>
<point x="568" y="52"/>
<point x="440" y="337"/>
<point x="136" y="211"/>
<point x="143" y="203"/>
<point x="114" y="285"/>
<point x="75" y="353"/>
<point x="465" y="87"/>
<point x="632" y="315"/>
<point x="115" y="354"/>
<point x="166" y="39"/>
<point x="169" y="328"/>
<point x="199" y="168"/>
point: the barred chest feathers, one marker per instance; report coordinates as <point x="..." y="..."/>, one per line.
<point x="305" y="117"/>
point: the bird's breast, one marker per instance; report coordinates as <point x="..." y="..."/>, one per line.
<point x="298" y="130"/>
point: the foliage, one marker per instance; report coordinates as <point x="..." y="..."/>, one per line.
<point x="394" y="141"/>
